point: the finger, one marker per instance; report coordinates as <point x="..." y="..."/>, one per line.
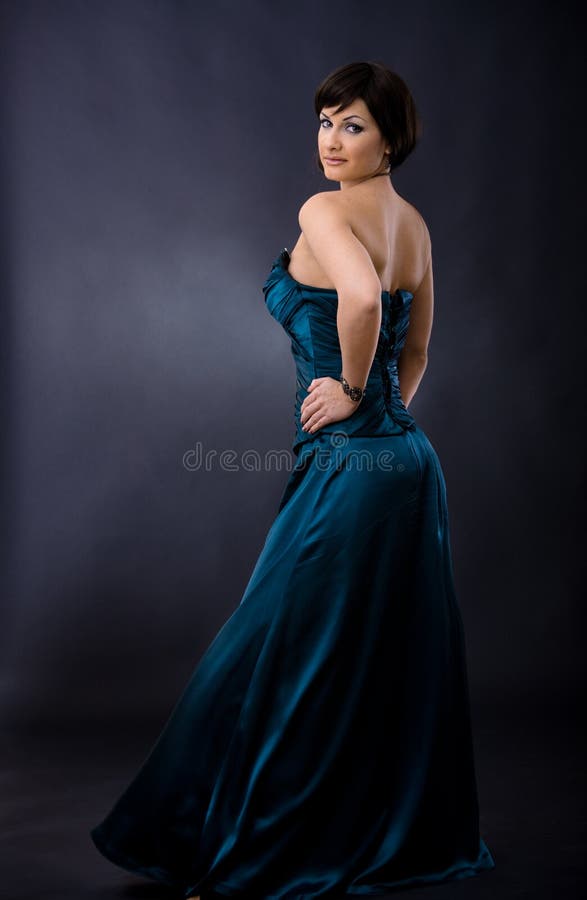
<point x="316" y="415"/>
<point x="320" y="421"/>
<point x="311" y="401"/>
<point x="309" y="405"/>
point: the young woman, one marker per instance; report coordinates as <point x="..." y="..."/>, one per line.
<point x="323" y="746"/>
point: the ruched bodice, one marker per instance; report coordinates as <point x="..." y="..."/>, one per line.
<point x="308" y="315"/>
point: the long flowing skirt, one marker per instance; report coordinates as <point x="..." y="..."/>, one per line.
<point x="323" y="745"/>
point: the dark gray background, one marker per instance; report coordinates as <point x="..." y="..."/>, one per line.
<point x="155" y="155"/>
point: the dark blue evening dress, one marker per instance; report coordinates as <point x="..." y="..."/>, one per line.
<point x="322" y="746"/>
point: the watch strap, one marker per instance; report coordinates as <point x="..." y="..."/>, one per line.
<point x="355" y="393"/>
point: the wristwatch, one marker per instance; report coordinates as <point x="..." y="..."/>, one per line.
<point x="355" y="393"/>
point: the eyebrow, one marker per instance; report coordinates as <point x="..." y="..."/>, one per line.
<point x="354" y="116"/>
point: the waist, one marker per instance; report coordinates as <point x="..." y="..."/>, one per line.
<point x="380" y="412"/>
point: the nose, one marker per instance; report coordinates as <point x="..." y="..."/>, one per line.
<point x="332" y="142"/>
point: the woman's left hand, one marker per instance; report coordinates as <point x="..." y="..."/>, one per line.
<point x="326" y="403"/>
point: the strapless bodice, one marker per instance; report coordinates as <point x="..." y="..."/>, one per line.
<point x="308" y="315"/>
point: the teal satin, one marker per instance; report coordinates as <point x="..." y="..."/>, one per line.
<point x="322" y="746"/>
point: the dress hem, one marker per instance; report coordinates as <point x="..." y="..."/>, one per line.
<point x="457" y="872"/>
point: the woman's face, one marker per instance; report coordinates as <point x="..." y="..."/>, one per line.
<point x="353" y="136"/>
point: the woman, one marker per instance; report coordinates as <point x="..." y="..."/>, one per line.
<point x="322" y="746"/>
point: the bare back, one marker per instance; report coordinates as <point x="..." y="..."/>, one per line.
<point x="393" y="233"/>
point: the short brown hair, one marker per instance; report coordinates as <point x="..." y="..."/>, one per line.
<point x="387" y="97"/>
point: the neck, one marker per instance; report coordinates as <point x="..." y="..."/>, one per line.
<point x="363" y="180"/>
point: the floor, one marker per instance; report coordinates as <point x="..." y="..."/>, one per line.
<point x="531" y="778"/>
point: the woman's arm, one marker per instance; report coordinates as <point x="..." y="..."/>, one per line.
<point x="324" y="220"/>
<point x="414" y="356"/>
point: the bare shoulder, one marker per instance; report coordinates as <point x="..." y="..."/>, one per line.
<point x="323" y="206"/>
<point x="335" y="250"/>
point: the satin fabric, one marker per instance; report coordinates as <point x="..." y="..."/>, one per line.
<point x="322" y="746"/>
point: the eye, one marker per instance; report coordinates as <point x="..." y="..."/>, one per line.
<point x="349" y="125"/>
